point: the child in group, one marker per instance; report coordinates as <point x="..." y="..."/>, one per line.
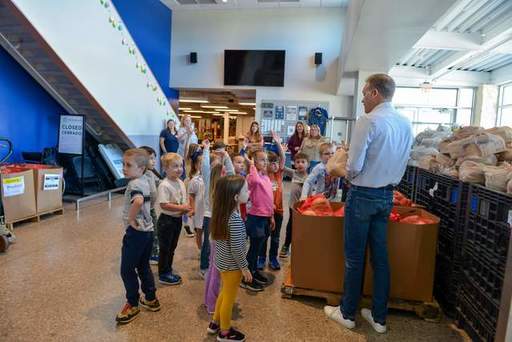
<point x="199" y="166"/>
<point x="239" y="165"/>
<point x="260" y="216"/>
<point x="154" y="179"/>
<point x="275" y="172"/>
<point x="228" y="231"/>
<point x="173" y="201"/>
<point x="220" y="166"/>
<point x="298" y="176"/>
<point x="138" y="239"/>
<point x="319" y="181"/>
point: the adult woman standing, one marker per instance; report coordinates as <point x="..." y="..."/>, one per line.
<point x="295" y="141"/>
<point x="168" y="140"/>
<point x="253" y="138"/>
<point x="311" y="145"/>
<point x="186" y="136"/>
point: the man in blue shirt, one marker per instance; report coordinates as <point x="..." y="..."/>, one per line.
<point x="378" y="156"/>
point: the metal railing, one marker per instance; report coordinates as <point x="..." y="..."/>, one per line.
<point x="107" y="193"/>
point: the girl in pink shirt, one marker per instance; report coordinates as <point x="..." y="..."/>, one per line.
<point x="260" y="216"/>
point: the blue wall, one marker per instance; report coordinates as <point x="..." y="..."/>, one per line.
<point x="29" y="116"/>
<point x="149" y="23"/>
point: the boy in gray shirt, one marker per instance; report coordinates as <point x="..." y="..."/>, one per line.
<point x="138" y="238"/>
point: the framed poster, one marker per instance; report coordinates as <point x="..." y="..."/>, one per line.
<point x="279" y="112"/>
<point x="71" y="134"/>
<point x="303" y="113"/>
<point x="291" y="113"/>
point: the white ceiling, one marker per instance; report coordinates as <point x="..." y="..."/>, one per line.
<point x="180" y="5"/>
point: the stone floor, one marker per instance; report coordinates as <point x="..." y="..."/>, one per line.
<point x="60" y="282"/>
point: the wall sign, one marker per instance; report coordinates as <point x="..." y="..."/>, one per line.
<point x="71" y="134"/>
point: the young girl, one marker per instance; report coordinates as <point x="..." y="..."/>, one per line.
<point x="219" y="168"/>
<point x="228" y="230"/>
<point x="260" y="216"/>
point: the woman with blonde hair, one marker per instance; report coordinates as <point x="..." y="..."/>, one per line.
<point x="311" y="145"/>
<point x="253" y="138"/>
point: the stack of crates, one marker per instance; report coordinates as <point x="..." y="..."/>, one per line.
<point x="408" y="182"/>
<point x="446" y="198"/>
<point x="485" y="252"/>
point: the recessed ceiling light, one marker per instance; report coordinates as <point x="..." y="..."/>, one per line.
<point x="224" y="1"/>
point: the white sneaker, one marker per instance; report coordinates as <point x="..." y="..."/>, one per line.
<point x="367" y="314"/>
<point x="334" y="313"/>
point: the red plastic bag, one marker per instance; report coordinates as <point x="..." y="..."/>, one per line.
<point x="416" y="219"/>
<point x="317" y="205"/>
<point x="400" y="200"/>
<point x="340" y="212"/>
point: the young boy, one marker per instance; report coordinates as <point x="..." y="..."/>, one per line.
<point x="138" y="238"/>
<point x="173" y="201"/>
<point x="154" y="179"/>
<point x="318" y="180"/>
<point x="275" y="172"/>
<point x="298" y="176"/>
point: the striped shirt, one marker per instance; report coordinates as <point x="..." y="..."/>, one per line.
<point x="230" y="253"/>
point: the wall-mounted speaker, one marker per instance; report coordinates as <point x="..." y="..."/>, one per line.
<point x="193" y="57"/>
<point x="318" y="58"/>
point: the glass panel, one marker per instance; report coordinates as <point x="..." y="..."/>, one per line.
<point x="409" y="96"/>
<point x="442" y="97"/>
<point x="442" y="116"/>
<point x="408" y="112"/>
<point x="418" y="128"/>
<point x="464" y="117"/>
<point x="466" y="98"/>
<point x="507" y="94"/>
<point x="506" y="116"/>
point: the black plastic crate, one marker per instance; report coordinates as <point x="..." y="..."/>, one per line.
<point x="446" y="283"/>
<point x="408" y="182"/>
<point x="468" y="320"/>
<point x="488" y="308"/>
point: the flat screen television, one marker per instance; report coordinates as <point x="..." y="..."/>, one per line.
<point x="254" y="68"/>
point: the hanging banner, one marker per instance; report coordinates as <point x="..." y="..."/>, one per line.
<point x="71" y="134"/>
<point x="14" y="186"/>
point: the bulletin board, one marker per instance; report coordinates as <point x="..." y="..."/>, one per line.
<point x="281" y="116"/>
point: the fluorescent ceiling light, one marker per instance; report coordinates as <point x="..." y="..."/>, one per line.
<point x="218" y="114"/>
<point x="237" y="112"/>
<point x="191" y="100"/>
<point x="201" y="111"/>
<point x="214" y="107"/>
<point x="227" y="110"/>
<point x="195" y="117"/>
<point x="232" y="117"/>
<point x="185" y="108"/>
<point x="248" y="103"/>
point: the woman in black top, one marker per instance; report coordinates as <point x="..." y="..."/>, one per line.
<point x="168" y="140"/>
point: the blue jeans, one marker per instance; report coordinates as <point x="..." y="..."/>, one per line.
<point x="205" y="247"/>
<point x="274" y="239"/>
<point x="258" y="230"/>
<point x="366" y="216"/>
<point x="135" y="255"/>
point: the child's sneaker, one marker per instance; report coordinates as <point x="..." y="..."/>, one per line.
<point x="151" y="305"/>
<point x="153" y="260"/>
<point x="261" y="263"/>
<point x="285" y="252"/>
<point x="213" y="328"/>
<point x="232" y="335"/>
<point x="367" y="314"/>
<point x="254" y="286"/>
<point x="202" y="273"/>
<point x="260" y="279"/>
<point x="127" y="314"/>
<point x="274" y="264"/>
<point x="169" y="279"/>
<point x="188" y="232"/>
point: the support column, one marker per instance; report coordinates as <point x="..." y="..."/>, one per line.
<point x="486" y="106"/>
<point x="226" y="128"/>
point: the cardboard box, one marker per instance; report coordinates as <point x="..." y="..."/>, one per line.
<point x="18" y="193"/>
<point x="317" y="252"/>
<point x="48" y="183"/>
<point x="412" y="256"/>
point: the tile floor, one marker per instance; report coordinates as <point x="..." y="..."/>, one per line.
<point x="60" y="282"/>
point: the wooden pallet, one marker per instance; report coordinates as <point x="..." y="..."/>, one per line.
<point x="33" y="218"/>
<point x="430" y="312"/>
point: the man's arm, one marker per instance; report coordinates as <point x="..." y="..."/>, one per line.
<point x="310" y="182"/>
<point x="361" y="139"/>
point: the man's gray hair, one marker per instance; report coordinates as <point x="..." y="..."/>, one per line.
<point x="384" y="84"/>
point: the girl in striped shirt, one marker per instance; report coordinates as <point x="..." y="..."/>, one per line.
<point x="228" y="229"/>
